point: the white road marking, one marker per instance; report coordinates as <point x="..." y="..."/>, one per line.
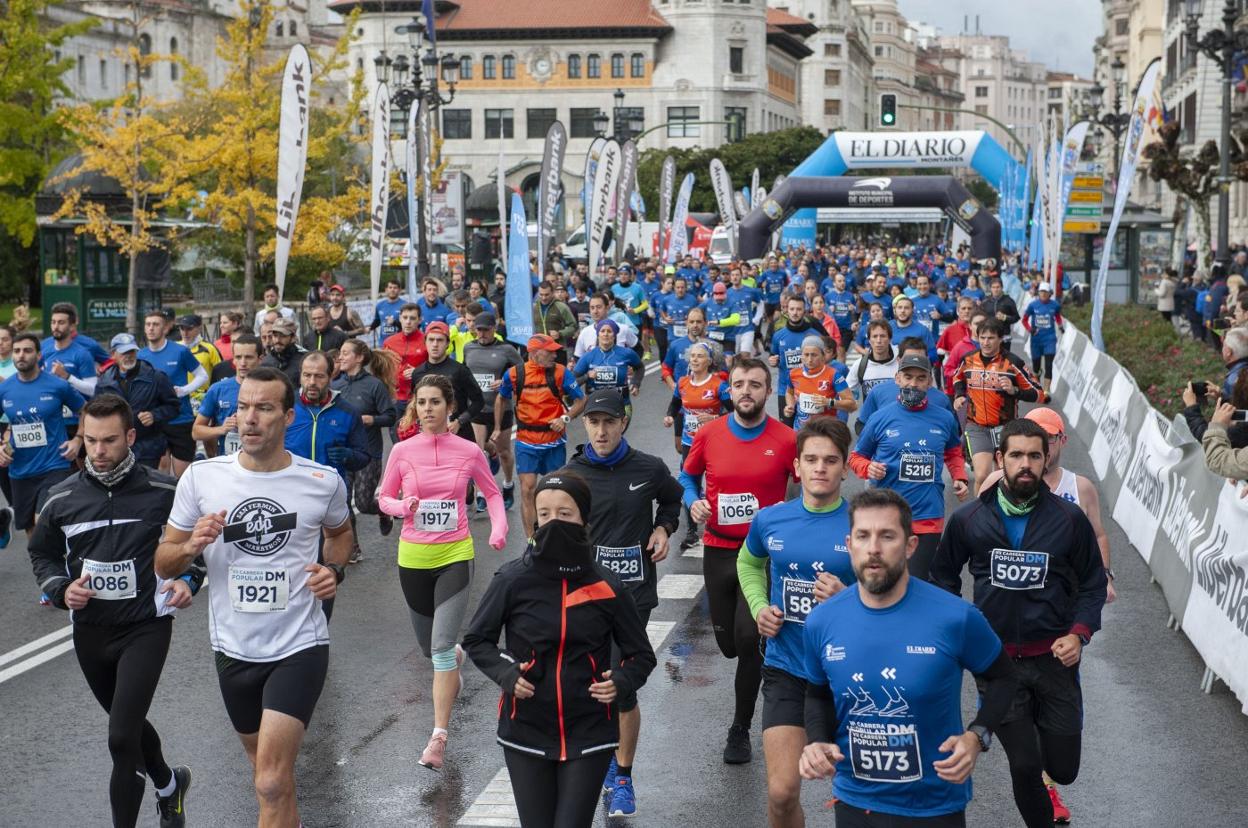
<point x="34" y="661"/>
<point x="657" y="632"/>
<point x="680" y="586"/>
<point x="495" y="806"/>
<point x="695" y="551"/>
<point x="37" y="644"/>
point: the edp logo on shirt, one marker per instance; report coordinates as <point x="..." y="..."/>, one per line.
<point x="259" y="526"/>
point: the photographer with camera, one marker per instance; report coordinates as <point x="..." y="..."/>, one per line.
<point x="1221" y="457"/>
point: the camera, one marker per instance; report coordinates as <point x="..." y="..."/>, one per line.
<point x="1200" y="389"/>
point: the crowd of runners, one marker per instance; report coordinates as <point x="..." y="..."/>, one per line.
<point x="240" y="454"/>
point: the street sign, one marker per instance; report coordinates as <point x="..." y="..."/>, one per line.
<point x="1069" y="226"/>
<point x="1083" y="211"/>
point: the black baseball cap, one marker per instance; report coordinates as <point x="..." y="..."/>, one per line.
<point x="191" y="320"/>
<point x="606" y="401"/>
<point x="915" y="361"/>
<point x="484" y="320"/>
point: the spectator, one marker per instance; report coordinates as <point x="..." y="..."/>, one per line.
<point x="554" y="318"/>
<point x="284" y="353"/>
<point x="1218" y="291"/>
<point x="1221" y="458"/>
<point x="231" y="323"/>
<point x="1235" y="355"/>
<point x="273" y="303"/>
<point x="1165" y="294"/>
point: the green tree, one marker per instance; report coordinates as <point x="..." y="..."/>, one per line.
<point x="32" y="137"/>
<point x="984" y="192"/>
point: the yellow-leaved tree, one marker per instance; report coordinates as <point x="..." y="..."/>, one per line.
<point x="232" y="161"/>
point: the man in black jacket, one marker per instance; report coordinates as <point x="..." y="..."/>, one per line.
<point x="324" y="336"/>
<point x="148" y="391"/>
<point x="999" y="306"/>
<point x="1041" y="583"/>
<point x="122" y="612"/>
<point x="284" y="353"/>
<point x="630" y="536"/>
<point x="468" y="397"/>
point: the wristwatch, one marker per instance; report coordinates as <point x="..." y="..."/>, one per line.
<point x="982" y="733"/>
<point x="1109" y="573"/>
<point x="339" y="572"/>
<point x="566" y="419"/>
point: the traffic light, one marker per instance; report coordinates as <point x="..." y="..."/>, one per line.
<point x="888" y="109"/>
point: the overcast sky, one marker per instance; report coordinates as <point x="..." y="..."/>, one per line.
<point x="1057" y="33"/>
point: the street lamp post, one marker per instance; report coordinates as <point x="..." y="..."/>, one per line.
<point x="624" y="127"/>
<point x="412" y="81"/>
<point x="1220" y="45"/>
<point x="1114" y="122"/>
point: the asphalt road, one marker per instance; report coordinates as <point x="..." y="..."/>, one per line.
<point x="1157" y="751"/>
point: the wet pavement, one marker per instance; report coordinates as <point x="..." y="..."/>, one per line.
<point x="1157" y="751"/>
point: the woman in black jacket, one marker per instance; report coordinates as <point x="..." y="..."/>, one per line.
<point x="558" y="723"/>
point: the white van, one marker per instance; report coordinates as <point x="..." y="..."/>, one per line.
<point x="720" y="251"/>
<point x="639" y="234"/>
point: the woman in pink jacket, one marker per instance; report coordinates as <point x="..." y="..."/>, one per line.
<point x="425" y="484"/>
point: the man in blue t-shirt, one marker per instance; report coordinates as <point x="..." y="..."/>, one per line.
<point x="799" y="547"/>
<point x="904" y="325"/>
<point x="215" y="419"/>
<point x="64" y="356"/>
<point x="632" y="295"/>
<point x="39" y="451"/>
<point x="786" y="347"/>
<point x="386" y="314"/>
<point x="187" y="376"/>
<point x="885" y="659"/>
<point x="432" y="308"/>
<point x="929" y="309"/>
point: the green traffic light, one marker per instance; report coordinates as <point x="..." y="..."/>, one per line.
<point x="888" y="119"/>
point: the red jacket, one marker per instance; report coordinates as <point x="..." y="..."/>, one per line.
<point x="412" y="354"/>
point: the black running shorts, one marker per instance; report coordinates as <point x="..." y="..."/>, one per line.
<point x="291" y="686"/>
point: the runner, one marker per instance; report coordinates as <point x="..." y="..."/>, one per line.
<point x="469" y="400"/>
<point x="432" y="308"/>
<point x="64" y="356"/>
<point x="272" y="304"/>
<point x="904" y="325"/>
<point x="387" y="313"/>
<point x="987" y="387"/>
<point x="1001" y="307"/>
<point x="748" y="301"/>
<point x="747" y="459"/>
<point x="702" y="395"/>
<point x="187" y="376"/>
<point x="325" y="336"/>
<point x="1043" y="320"/>
<point x="884" y="707"/>
<point x="906" y="447"/>
<point x="424" y="485"/>
<point x="92" y="553"/>
<point x="600" y="305"/>
<point x="216" y="419"/>
<point x="38" y="452"/>
<point x="539" y="387"/>
<point x="960" y="349"/>
<point x="635" y="512"/>
<point x="341" y="316"/>
<point x="885" y="392"/>
<point x="409" y="344"/>
<point x="1041" y="583"/>
<point x="611" y="366"/>
<point x="148" y="392"/>
<point x="786" y="350"/>
<point x="365" y="381"/>
<point x="488" y="357"/>
<point x="229" y="325"/>
<point x="283" y="352"/>
<point x="799" y="548"/>
<point x="674" y="313"/>
<point x="816" y="387"/>
<point x="722" y="319"/>
<point x="257" y="517"/>
<point x="633" y="297"/>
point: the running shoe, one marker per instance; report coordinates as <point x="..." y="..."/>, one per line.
<point x="737" y="749"/>
<point x="172" y="808"/>
<point x="495" y="465"/>
<point x="481" y="507"/>
<point x="509" y="496"/>
<point x="432" y="756"/>
<point x="623" y="799"/>
<point x="608" y="781"/>
<point x="384" y="524"/>
<point x="356" y="555"/>
<point x="6" y="526"/>
<point x="1061" y="814"/>
<point x="44" y="600"/>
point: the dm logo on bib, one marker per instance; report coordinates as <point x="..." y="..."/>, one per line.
<point x="259" y="526"/>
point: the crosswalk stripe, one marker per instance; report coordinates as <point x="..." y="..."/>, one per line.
<point x="680" y="587"/>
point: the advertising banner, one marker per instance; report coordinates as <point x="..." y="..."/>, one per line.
<point x="292" y="156"/>
<point x="502" y="207"/>
<point x="721" y="184"/>
<point x="680" y="234"/>
<point x="623" y="195"/>
<point x="448" y="210"/>
<point x="379" y="186"/>
<point x="549" y="190"/>
<point x="667" y="187"/>
<point x="606" y="180"/>
<point x="518" y="300"/>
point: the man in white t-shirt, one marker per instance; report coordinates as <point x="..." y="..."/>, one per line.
<point x="257" y="517"/>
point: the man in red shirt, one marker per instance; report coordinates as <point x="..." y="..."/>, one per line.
<point x="955" y="333"/>
<point x="747" y="458"/>
<point x="409" y="344"/>
<point x="960" y="349"/>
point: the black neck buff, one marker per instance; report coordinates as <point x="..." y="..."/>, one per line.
<point x="561" y="548"/>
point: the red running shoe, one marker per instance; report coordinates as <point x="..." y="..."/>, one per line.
<point x="1061" y="814"/>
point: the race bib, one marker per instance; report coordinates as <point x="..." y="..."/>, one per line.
<point x="885" y="752"/>
<point x="840" y="309"/>
<point x="605" y="374"/>
<point x="258" y="589"/>
<point x="917" y="467"/>
<point x="812" y="403"/>
<point x="112" y="580"/>
<point x="798" y="596"/>
<point x="716" y="334"/>
<point x="679" y="329"/>
<point x="437" y="515"/>
<point x="484" y="381"/>
<point x="29" y="435"/>
<point x="624" y="561"/>
<point x="1044" y="321"/>
<point x="736" y="509"/>
<point x="1015" y="570"/>
<point x="926" y="323"/>
<point x="233" y="442"/>
<point x="793" y="358"/>
<point x="692" y="423"/>
<point x="195" y="405"/>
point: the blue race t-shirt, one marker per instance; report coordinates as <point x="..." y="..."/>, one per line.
<point x="1042" y="317"/>
<point x="677" y="309"/>
<point x="387" y="315"/>
<point x="609" y="369"/>
<point x="923" y="307"/>
<point x="800" y="544"/>
<point x="37" y="423"/>
<point x="745" y="299"/>
<point x="916" y="330"/>
<point x="219" y="404"/>
<point x="883" y="392"/>
<point x="787" y="345"/>
<point x="912" y="446"/>
<point x="896" y="675"/>
<point x="633" y="296"/>
<point x="75" y="358"/>
<point x="177" y="363"/>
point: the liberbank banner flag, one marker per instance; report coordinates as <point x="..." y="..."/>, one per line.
<point x="379" y="201"/>
<point x="623" y="195"/>
<point x="587" y="186"/>
<point x="518" y="301"/>
<point x="721" y="183"/>
<point x="606" y="180"/>
<point x="502" y="207"/>
<point x="679" y="239"/>
<point x="667" y="183"/>
<point x="1126" y="175"/>
<point x="549" y="189"/>
<point x="292" y="155"/>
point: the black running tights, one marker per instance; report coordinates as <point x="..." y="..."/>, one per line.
<point x="552" y="794"/>
<point x="736" y="632"/>
<point x="1031" y="753"/>
<point x="122" y="666"/>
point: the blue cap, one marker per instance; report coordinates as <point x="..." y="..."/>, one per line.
<point x="123" y="343"/>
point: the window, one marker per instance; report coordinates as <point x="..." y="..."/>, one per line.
<point x="593" y="66"/>
<point x="617" y="65"/>
<point x="879" y="26"/>
<point x="831" y="106"/>
<point x="581" y="123"/>
<point x="736" y="60"/>
<point x="574" y="66"/>
<point x="499" y="123"/>
<point x="831" y="77"/>
<point x="981" y="109"/>
<point x="294" y="28"/>
<point x="638" y="67"/>
<point x="509" y="67"/>
<point x="539" y="120"/>
<point x="1055" y="92"/>
<point x="174" y="68"/>
<point x="879" y="51"/>
<point x="281" y="29"/>
<point x="456" y="123"/>
<point x="465" y="67"/>
<point x="981" y="91"/>
<point x="1122" y="26"/>
<point x="488" y="67"/>
<point x="831" y="50"/>
<point x="679" y="122"/>
<point x="103" y="73"/>
<point x="145" y="49"/>
<point x="82" y="71"/>
<point x="979" y="72"/>
<point x="735" y="116"/>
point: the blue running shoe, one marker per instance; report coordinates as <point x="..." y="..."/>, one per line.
<point x="481" y="507"/>
<point x="494" y="464"/>
<point x="608" y="781"/>
<point x="6" y="526"/>
<point x="509" y="498"/>
<point x="623" y="800"/>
